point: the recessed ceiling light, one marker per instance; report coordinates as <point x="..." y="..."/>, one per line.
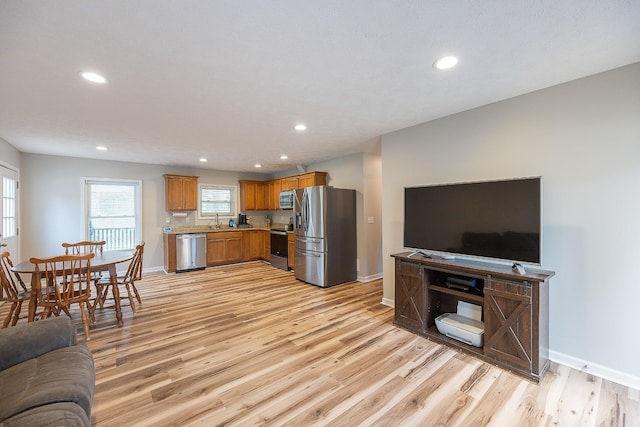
<point x="101" y="148"/>
<point x="93" y="77"/>
<point x="257" y="165"/>
<point x="300" y="127"/>
<point x="284" y="157"/>
<point x="445" y="62"/>
<point x="202" y="159"/>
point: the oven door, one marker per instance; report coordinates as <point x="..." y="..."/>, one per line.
<point x="279" y="249"/>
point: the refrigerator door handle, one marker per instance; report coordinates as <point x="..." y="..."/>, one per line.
<point x="305" y="253"/>
<point x="305" y="210"/>
<point x="307" y="240"/>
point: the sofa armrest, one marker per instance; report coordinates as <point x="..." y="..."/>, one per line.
<point x="28" y="340"/>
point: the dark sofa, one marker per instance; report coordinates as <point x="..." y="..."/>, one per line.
<point x="47" y="377"/>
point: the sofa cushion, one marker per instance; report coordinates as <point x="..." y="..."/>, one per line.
<point x="57" y="414"/>
<point x="63" y="375"/>
<point x="28" y="340"/>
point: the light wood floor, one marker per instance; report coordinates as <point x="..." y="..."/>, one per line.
<point x="249" y="345"/>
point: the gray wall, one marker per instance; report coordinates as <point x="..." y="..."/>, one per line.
<point x="583" y="138"/>
<point x="361" y="172"/>
<point x="51" y="191"/>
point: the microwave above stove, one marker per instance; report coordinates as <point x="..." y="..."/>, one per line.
<point x="286" y="199"/>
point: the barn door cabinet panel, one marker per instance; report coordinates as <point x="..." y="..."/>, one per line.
<point x="515" y="309"/>
<point x="411" y="310"/>
<point x="181" y="192"/>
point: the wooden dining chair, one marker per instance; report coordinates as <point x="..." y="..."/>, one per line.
<point x="84" y="247"/>
<point x="62" y="281"/>
<point x="14" y="290"/>
<point x="127" y="282"/>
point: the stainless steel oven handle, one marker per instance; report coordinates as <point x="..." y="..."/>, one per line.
<point x="279" y="233"/>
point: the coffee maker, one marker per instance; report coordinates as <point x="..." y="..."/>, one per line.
<point x="242" y="220"/>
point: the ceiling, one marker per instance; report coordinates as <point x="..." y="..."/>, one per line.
<point x="228" y="80"/>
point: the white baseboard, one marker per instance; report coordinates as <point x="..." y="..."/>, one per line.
<point x="595" y="369"/>
<point x="369" y="278"/>
<point x="388" y="302"/>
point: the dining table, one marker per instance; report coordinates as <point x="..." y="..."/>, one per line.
<point x="105" y="261"/>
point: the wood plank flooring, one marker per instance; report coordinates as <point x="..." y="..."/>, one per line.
<point x="249" y="345"/>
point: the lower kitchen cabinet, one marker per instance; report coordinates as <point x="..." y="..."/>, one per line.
<point x="224" y="248"/>
<point x="253" y="245"/>
<point x="169" y="247"/>
<point x="290" y="251"/>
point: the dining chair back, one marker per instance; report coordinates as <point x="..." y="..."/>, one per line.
<point x="13" y="290"/>
<point x="62" y="281"/>
<point x="133" y="274"/>
<point x="84" y="247"/>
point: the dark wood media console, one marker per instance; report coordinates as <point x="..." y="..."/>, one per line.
<point x="515" y="308"/>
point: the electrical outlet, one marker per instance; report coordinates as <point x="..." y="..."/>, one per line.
<point x="167" y="220"/>
<point x="370" y="220"/>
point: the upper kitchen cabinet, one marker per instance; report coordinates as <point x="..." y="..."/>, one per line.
<point x="273" y="194"/>
<point x="312" y="179"/>
<point x="253" y="195"/>
<point x="181" y="192"/>
<point x="265" y="195"/>
<point x="289" y="183"/>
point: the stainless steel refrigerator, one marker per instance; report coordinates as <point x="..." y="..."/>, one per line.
<point x="325" y="235"/>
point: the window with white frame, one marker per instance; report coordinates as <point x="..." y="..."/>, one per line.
<point x="113" y="212"/>
<point x="9" y="228"/>
<point x="217" y="199"/>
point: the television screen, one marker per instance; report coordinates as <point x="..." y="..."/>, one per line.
<point x="493" y="219"/>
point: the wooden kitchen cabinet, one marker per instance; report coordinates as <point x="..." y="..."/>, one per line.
<point x="274" y="188"/>
<point x="290" y="251"/>
<point x="312" y="179"/>
<point x="265" y="195"/>
<point x="181" y="192"/>
<point x="253" y="245"/>
<point x="515" y="309"/>
<point x="289" y="183"/>
<point x="266" y="255"/>
<point x="169" y="249"/>
<point x="253" y="195"/>
<point x="224" y="248"/>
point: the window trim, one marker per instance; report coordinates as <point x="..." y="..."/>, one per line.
<point x="234" y="202"/>
<point x="84" y="214"/>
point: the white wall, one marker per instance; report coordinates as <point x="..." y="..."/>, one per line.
<point x="8" y="154"/>
<point x="51" y="205"/>
<point x="583" y="138"/>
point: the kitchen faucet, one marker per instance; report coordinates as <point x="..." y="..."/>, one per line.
<point x="217" y="218"/>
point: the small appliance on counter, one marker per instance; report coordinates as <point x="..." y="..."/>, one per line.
<point x="243" y="221"/>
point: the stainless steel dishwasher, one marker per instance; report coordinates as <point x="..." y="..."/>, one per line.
<point x="191" y="252"/>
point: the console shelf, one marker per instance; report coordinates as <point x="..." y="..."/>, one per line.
<point x="515" y="309"/>
<point x="465" y="296"/>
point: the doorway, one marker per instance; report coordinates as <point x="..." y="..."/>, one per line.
<point x="10" y="212"/>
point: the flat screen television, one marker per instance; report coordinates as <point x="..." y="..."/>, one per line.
<point x="500" y="220"/>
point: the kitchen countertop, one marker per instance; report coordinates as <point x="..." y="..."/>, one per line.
<point x="205" y="229"/>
